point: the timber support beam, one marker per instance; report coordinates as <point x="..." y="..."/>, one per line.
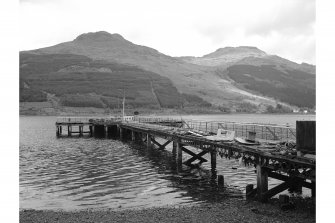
<point x="161" y="147"/>
<point x="194" y="156"/>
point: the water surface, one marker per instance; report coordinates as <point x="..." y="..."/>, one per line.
<point x="77" y="173"/>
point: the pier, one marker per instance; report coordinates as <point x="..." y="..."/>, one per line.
<point x="293" y="170"/>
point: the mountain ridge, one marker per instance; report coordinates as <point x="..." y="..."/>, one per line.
<point x="211" y="83"/>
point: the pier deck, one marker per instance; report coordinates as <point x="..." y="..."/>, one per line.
<point x="293" y="170"/>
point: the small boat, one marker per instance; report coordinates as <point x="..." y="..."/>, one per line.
<point x="222" y="135"/>
<point x="246" y="141"/>
<point x="194" y="133"/>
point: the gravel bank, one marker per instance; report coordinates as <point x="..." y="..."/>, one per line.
<point x="232" y="210"/>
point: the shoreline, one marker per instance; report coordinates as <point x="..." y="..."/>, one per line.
<point x="231" y="210"/>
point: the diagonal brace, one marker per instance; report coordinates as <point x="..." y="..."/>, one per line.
<point x="159" y="145"/>
<point x="276" y="190"/>
<point x="194" y="156"/>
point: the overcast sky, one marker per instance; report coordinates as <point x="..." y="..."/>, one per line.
<point x="177" y="28"/>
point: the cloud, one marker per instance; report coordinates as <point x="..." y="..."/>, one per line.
<point x="177" y="28"/>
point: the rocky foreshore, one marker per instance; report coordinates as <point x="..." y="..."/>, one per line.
<point x="232" y="210"/>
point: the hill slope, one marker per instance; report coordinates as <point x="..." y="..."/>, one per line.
<point x="79" y="81"/>
<point x="95" y="67"/>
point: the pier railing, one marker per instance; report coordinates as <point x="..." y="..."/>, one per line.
<point x="75" y="119"/>
<point x="263" y="131"/>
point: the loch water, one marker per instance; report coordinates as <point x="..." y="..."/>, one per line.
<point x="80" y="173"/>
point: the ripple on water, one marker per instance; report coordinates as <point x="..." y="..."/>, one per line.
<point x="72" y="173"/>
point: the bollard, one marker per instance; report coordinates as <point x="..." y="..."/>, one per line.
<point x="220" y="180"/>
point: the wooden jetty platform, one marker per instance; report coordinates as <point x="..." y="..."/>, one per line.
<point x="295" y="171"/>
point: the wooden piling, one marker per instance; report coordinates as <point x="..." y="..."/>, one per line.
<point x="91" y="130"/>
<point x="121" y="133"/>
<point x="174" y="149"/>
<point x="148" y="141"/>
<point x="69" y="130"/>
<point x="179" y="153"/>
<point x="213" y="162"/>
<point x="57" y="131"/>
<point x="81" y="128"/>
<point x="60" y="130"/>
<point x="132" y="136"/>
<point x="262" y="182"/>
<point x="106" y="131"/>
<point x="296" y="186"/>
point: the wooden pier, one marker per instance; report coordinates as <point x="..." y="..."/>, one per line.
<point x="294" y="171"/>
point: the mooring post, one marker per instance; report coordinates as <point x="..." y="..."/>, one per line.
<point x="213" y="161"/>
<point x="262" y="182"/>
<point x="249" y="191"/>
<point x="179" y="153"/>
<point x="69" y="130"/>
<point x="148" y="141"/>
<point x="220" y="180"/>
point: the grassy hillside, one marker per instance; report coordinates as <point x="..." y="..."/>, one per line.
<point x="292" y="86"/>
<point x="79" y="81"/>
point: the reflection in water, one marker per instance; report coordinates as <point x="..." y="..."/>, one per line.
<point x="76" y="173"/>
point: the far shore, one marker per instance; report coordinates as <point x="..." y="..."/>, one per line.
<point x="143" y="112"/>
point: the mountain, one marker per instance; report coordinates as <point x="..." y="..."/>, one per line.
<point x="97" y="65"/>
<point x="269" y="75"/>
<point x="225" y="56"/>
